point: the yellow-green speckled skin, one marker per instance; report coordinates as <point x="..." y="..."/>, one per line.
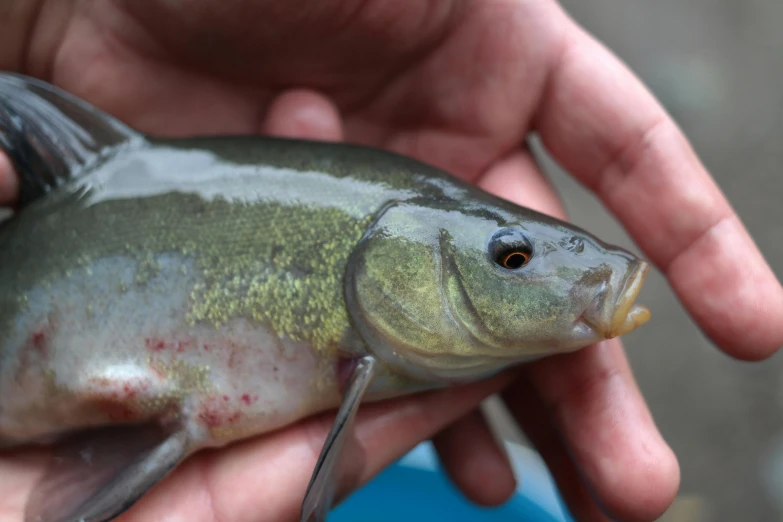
<point x="215" y="282"/>
<point x="263" y="255"/>
<point x="173" y="257"/>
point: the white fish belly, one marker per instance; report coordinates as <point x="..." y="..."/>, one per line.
<point x="104" y="345"/>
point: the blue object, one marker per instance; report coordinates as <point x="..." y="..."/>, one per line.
<point x="416" y="489"/>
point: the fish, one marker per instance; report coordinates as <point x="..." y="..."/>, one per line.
<point x="160" y="296"/>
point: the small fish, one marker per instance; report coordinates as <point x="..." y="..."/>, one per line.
<point x="161" y="296"/>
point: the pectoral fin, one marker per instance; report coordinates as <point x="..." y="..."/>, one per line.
<point x="97" y="475"/>
<point x="326" y="476"/>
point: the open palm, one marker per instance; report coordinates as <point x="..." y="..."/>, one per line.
<point x="459" y="85"/>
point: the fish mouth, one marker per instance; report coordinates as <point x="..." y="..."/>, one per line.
<point x="611" y="320"/>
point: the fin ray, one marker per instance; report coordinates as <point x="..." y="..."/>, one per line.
<point x="326" y="476"/>
<point x="50" y="135"/>
<point x="95" y="476"/>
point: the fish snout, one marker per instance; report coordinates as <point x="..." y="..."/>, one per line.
<point x="613" y="312"/>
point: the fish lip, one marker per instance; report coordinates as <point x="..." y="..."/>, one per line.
<point x="625" y="316"/>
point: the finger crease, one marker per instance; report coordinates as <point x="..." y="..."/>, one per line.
<point x="696" y="240"/>
<point x="580" y="389"/>
<point x="316" y="432"/>
<point x="208" y="489"/>
<point x="627" y="158"/>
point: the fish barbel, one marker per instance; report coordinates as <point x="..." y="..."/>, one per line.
<point x="160" y="296"/>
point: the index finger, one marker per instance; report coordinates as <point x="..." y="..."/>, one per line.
<point x="605" y="128"/>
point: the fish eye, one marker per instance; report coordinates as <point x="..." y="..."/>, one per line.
<point x="510" y="249"/>
<point x="514" y="260"/>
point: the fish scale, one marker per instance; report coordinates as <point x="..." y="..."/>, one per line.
<point x="163" y="296"/>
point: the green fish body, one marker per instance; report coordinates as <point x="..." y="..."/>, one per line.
<point x="211" y="289"/>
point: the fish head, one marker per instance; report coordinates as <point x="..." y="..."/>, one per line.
<point x="461" y="291"/>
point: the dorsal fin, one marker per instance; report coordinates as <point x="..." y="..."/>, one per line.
<point x="50" y="136"/>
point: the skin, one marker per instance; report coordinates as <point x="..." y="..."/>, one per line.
<point x="288" y="259"/>
<point x="541" y="72"/>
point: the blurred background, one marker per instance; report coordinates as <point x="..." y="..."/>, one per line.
<point x="717" y="66"/>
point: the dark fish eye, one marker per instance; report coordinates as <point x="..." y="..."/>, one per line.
<point x="510" y="249"/>
<point x="573" y="244"/>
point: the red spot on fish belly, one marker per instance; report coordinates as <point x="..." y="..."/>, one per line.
<point x="39" y="338"/>
<point x="215" y="412"/>
<point x="157" y="344"/>
<point x="117" y="398"/>
<point x="211" y="418"/>
<point x="33" y="354"/>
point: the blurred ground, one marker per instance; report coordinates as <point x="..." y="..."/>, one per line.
<point x="717" y="65"/>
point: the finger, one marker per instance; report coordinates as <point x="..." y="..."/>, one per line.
<point x="264" y="478"/>
<point x="274" y="470"/>
<point x="603" y="126"/>
<point x="303" y="114"/>
<point x="474" y="461"/>
<point x="9" y="183"/>
<point x="18" y="474"/>
<point x="623" y="457"/>
<point x="534" y="418"/>
<point x="595" y="405"/>
<point x="517" y="178"/>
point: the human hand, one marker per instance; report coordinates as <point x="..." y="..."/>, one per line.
<point x="458" y="85"/>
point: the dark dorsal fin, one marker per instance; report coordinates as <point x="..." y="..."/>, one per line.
<point x="50" y="135"/>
